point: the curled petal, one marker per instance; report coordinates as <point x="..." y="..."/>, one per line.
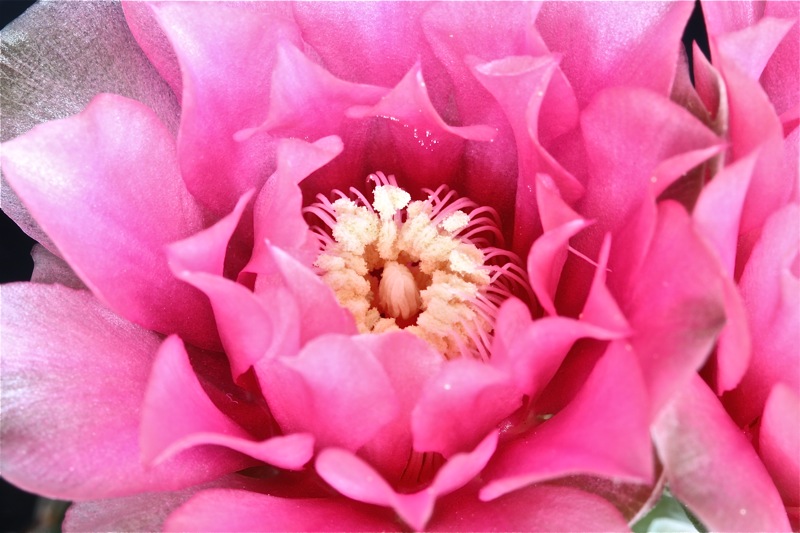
<point x="178" y="415"/>
<point x="356" y="479"/>
<point x="675" y="305"/>
<point x="277" y="214"/>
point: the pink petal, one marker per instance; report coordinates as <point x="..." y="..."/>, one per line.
<point x="356" y="479"/>
<point x="675" y="304"/>
<point x="779" y="445"/>
<point x="225" y="86"/>
<point x="205" y="251"/>
<point x="460" y="405"/>
<point x="338" y="31"/>
<point x="334" y="389"/>
<point x="454" y="32"/>
<point x="531" y="351"/>
<point x="601" y="308"/>
<point x="115" y="161"/>
<point x="698" y="443"/>
<point x="314" y="300"/>
<point x="300" y="86"/>
<point x="638" y="45"/>
<point x="74" y="377"/>
<point x="546" y="260"/>
<point x="717" y="214"/>
<point x="783" y="90"/>
<point x="553" y="209"/>
<point x="771" y="291"/>
<point x="153" y="41"/>
<point x="53" y="51"/>
<point x="540" y="508"/>
<point x="426" y="150"/>
<point x="723" y="17"/>
<point x="751" y="48"/>
<point x="637" y="141"/>
<point x="178" y="415"/>
<point x="603" y="431"/>
<point x="754" y="125"/>
<point x="251" y="326"/>
<point x="519" y="84"/>
<point x="245" y="511"/>
<point x="409" y="364"/>
<point x="711" y="90"/>
<point x="278" y="215"/>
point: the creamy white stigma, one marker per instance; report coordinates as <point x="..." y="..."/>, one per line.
<point x="395" y="264"/>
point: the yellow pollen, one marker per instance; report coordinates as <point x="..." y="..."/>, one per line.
<point x="400" y="264"/>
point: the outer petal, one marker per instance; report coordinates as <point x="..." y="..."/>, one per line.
<point x="334" y="389"/>
<point x="539" y="508"/>
<point x="639" y="45"/>
<point x="602" y="431"/>
<point x="244" y="511"/>
<point x="779" y="446"/>
<point x="74" y="376"/>
<point x="178" y="415"/>
<point x="142" y="512"/>
<point x="225" y="87"/>
<point x="115" y="161"/>
<point x="55" y="58"/>
<point x="698" y="443"/>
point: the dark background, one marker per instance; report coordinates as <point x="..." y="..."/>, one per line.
<point x="17" y="507"/>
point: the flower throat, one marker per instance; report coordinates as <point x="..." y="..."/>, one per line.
<point x="425" y="266"/>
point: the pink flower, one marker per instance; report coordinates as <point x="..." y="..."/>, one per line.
<point x="750" y="215"/>
<point x="478" y="334"/>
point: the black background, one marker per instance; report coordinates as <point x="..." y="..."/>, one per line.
<point x="16" y="506"/>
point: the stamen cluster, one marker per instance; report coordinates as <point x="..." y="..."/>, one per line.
<point x="424" y="265"/>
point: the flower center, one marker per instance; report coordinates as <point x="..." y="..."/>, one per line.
<point x="425" y="266"/>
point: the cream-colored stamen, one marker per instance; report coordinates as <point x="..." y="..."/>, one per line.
<point x="399" y="263"/>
